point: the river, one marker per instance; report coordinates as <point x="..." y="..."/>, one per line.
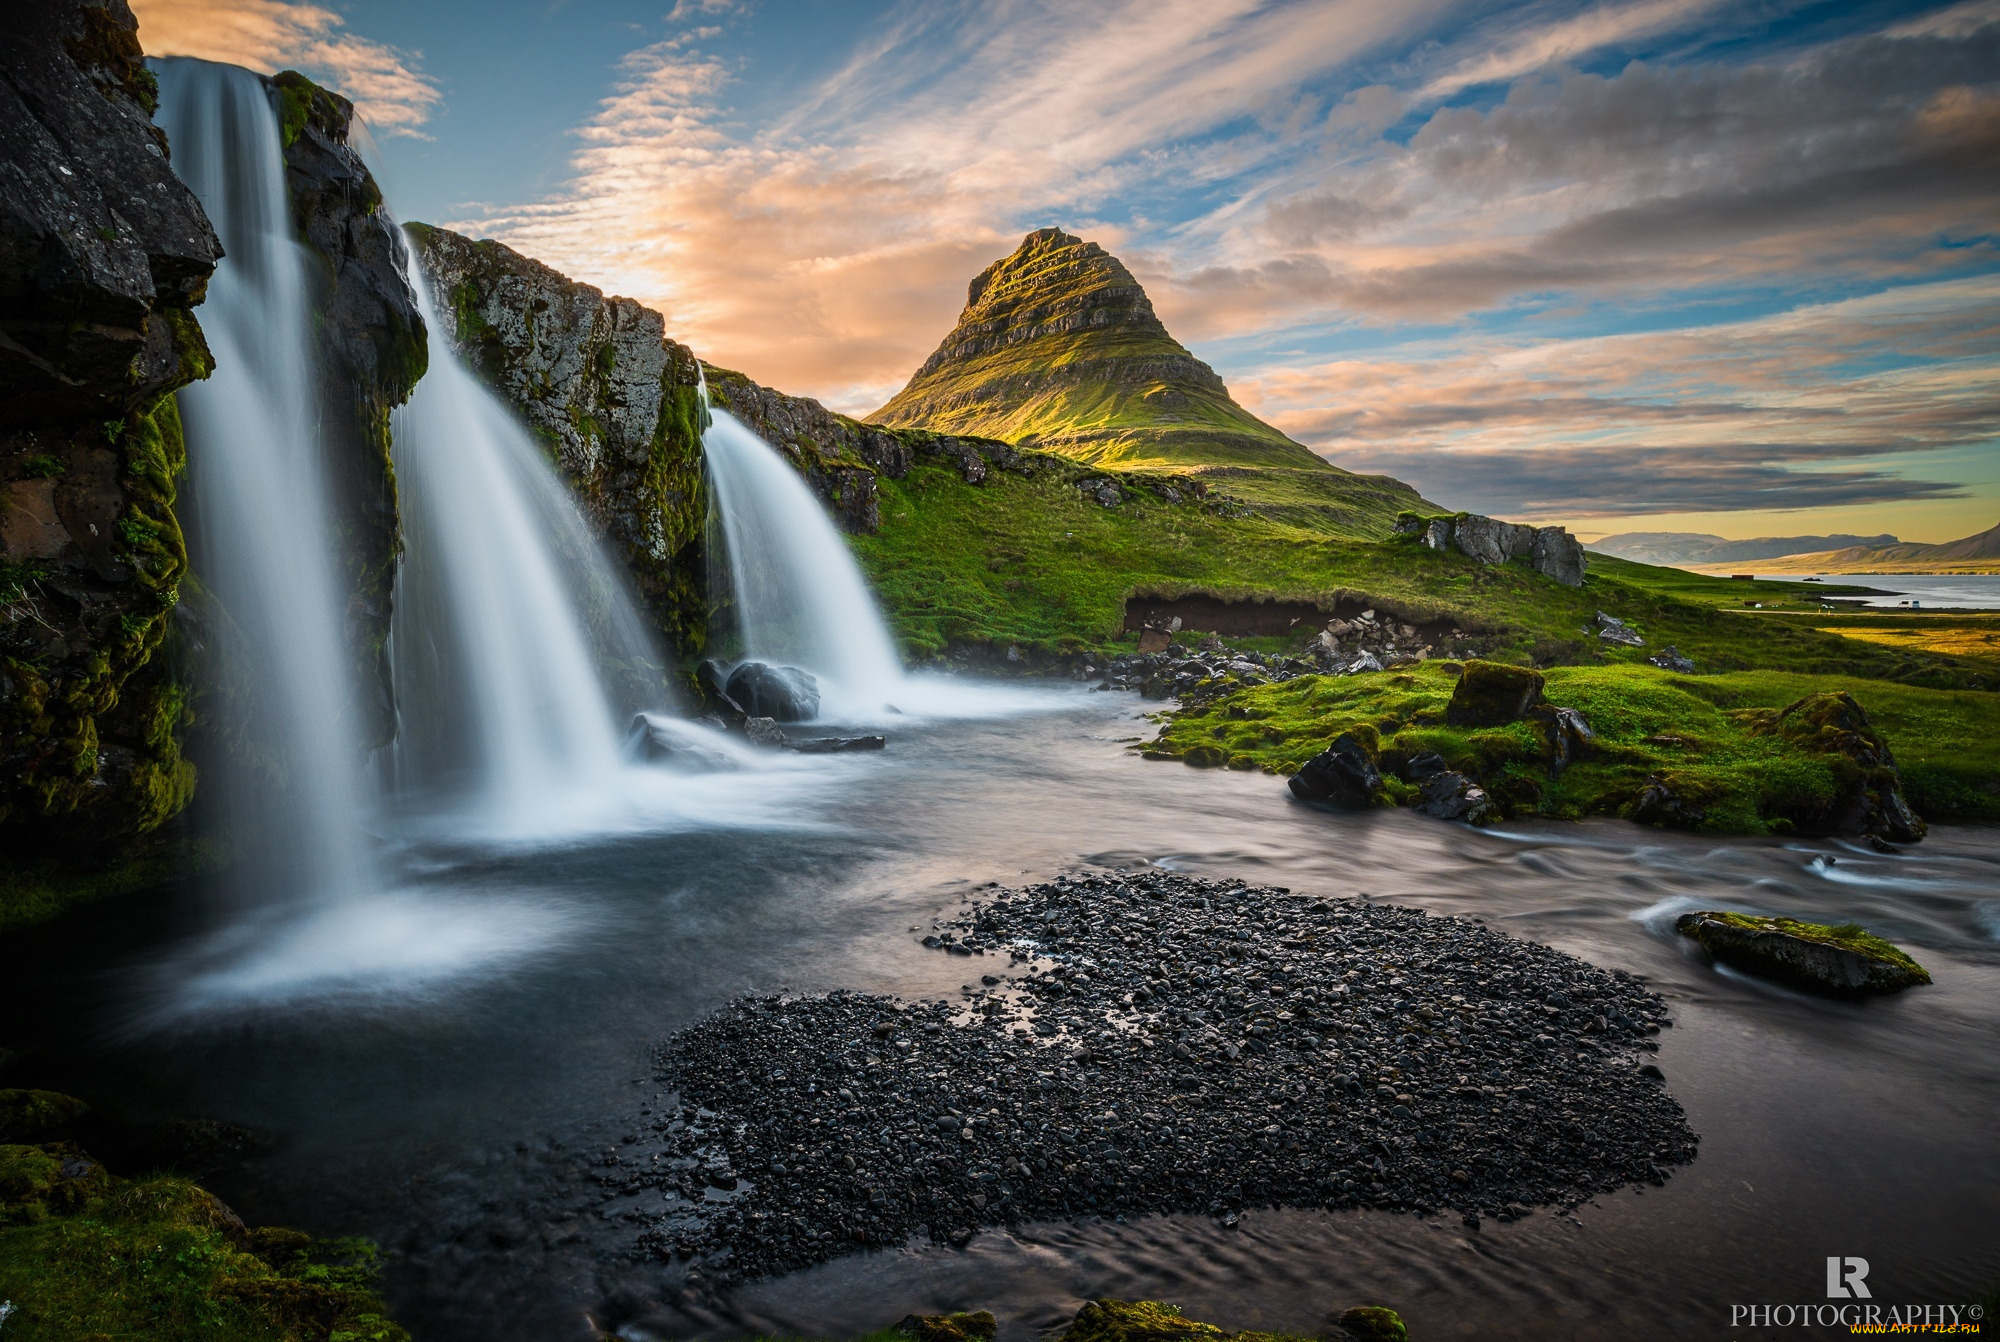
<point x="435" y="1063"/>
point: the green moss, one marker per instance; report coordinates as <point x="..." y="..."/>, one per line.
<point x="977" y="1326"/>
<point x="1847" y="936"/>
<point x="302" y="103"/>
<point x="1725" y="763"/>
<point x="31" y="1113"/>
<point x="1491" y="694"/>
<point x="84" y="1255"/>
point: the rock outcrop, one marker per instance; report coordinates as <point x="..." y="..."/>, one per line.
<point x="103" y="256"/>
<point x="1847" y="960"/>
<point x="1868" y="788"/>
<point x="1059" y="348"/>
<point x="374" y="348"/>
<point x="1550" y="551"/>
<point x="614" y="400"/>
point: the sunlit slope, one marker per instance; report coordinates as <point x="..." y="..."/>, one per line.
<point x="1059" y="348"/>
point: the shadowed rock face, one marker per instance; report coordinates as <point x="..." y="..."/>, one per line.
<point x="1550" y="551"/>
<point x="103" y="254"/>
<point x="1059" y="348"/>
<point x="375" y="350"/>
<point x="615" y="402"/>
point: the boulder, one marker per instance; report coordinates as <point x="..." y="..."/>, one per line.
<point x="1450" y="795"/>
<point x="1345" y="773"/>
<point x="1374" y="1323"/>
<point x="977" y="1326"/>
<point x="1136" y="1321"/>
<point x="676" y="744"/>
<point x="1658" y="804"/>
<point x="1557" y="555"/>
<point x="1672" y="658"/>
<point x="1550" y="551"/>
<point x="782" y="693"/>
<point x="837" y="745"/>
<point x="1565" y="734"/>
<point x="1845" y="959"/>
<point x="1492" y="694"/>
<point x="1869" y="797"/>
<point x="1614" y="630"/>
<point x="765" y="732"/>
<point x="26" y="1114"/>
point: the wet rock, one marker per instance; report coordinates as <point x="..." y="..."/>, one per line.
<point x="1566" y="735"/>
<point x="976" y="1326"/>
<point x="1137" y="1321"/>
<point x="765" y="732"/>
<point x="1158" y="1043"/>
<point x="1492" y="694"/>
<point x="1614" y="630"/>
<point x="1845" y="959"/>
<point x="1672" y="658"/>
<point x="1374" y="1323"/>
<point x="1449" y="795"/>
<point x="782" y="693"/>
<point x="671" y="742"/>
<point x="1345" y="773"/>
<point x="837" y="745"/>
<point x="1658" y="804"/>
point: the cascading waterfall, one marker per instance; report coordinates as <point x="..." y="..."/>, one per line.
<point x="261" y="538"/>
<point x="800" y="597"/>
<point x="517" y="652"/>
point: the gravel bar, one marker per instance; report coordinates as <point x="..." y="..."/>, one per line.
<point x="1153" y="1042"/>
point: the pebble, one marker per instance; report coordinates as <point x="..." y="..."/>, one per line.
<point x="1160" y="1043"/>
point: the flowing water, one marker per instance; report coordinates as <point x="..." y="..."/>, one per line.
<point x="455" y="1119"/>
<point x="519" y="655"/>
<point x="259" y="535"/>
<point x="799" y="597"/>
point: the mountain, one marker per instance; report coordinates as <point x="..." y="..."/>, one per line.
<point x="1969" y="554"/>
<point x="1694" y="547"/>
<point x="1059" y="348"/>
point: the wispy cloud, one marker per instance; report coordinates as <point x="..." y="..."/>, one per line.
<point x="388" y="85"/>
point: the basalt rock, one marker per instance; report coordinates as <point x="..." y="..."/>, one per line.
<point x="1845" y="959"/>
<point x="1345" y="773"/>
<point x="1550" y="551"/>
<point x="615" y="403"/>
<point x="781" y="693"/>
<point x="103" y="256"/>
<point x="375" y="348"/>
<point x="1493" y="694"/>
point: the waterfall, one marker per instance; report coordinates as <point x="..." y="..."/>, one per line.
<point x="517" y="651"/>
<point x="260" y="536"/>
<point x="800" y="597"/>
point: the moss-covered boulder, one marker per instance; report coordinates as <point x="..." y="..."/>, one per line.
<point x="1136" y="1321"/>
<point x="1845" y="959"/>
<point x="37" y="1182"/>
<point x="1868" y="790"/>
<point x="1493" y="694"/>
<point x="31" y="1113"/>
<point x="1374" y="1323"/>
<point x="975" y="1326"/>
<point x="1346" y="773"/>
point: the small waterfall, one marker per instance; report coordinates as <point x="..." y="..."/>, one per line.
<point x="800" y="597"/>
<point x="517" y="651"/>
<point x="260" y="536"/>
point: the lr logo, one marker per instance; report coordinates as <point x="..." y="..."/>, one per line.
<point x="1847" y="1279"/>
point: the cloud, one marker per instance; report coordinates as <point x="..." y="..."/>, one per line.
<point x="1792" y="411"/>
<point x="387" y="85"/>
<point x="1533" y="48"/>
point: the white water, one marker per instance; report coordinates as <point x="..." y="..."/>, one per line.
<point x="800" y="597"/>
<point x="519" y="655"/>
<point x="260" y="538"/>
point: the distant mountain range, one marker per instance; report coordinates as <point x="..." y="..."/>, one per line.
<point x="1969" y="554"/>
<point x="1679" y="548"/>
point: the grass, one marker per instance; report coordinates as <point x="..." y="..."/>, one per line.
<point x="1710" y="738"/>
<point x="1027" y="560"/>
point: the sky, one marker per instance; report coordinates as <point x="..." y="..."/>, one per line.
<point x="1645" y="265"/>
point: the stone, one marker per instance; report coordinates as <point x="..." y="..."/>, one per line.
<point x="26" y="1114"/>
<point x="1658" y="804"/>
<point x="1493" y="694"/>
<point x="765" y="732"/>
<point x="1551" y="551"/>
<point x="835" y="745"/>
<point x="977" y="1326"/>
<point x="1614" y="630"/>
<point x="1845" y="960"/>
<point x="784" y="693"/>
<point x="1154" y="640"/>
<point x="1449" y="795"/>
<point x="1869" y="800"/>
<point x="1558" y="556"/>
<point x="1672" y="658"/>
<point x="1566" y="735"/>
<point x="1345" y="773"/>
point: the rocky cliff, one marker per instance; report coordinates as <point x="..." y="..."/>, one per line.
<point x="103" y="255"/>
<point x="613" y="399"/>
<point x="1059" y="348"/>
<point x="374" y="348"/>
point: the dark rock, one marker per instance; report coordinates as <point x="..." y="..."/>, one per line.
<point x="1566" y="736"/>
<point x="1557" y="555"/>
<point x="1658" y="804"/>
<point x="1345" y="773"/>
<point x="1869" y="789"/>
<point x="31" y="1114"/>
<point x="1844" y="959"/>
<point x="1671" y="658"/>
<point x="103" y="255"/>
<point x="782" y="693"/>
<point x="1374" y="1323"/>
<point x="376" y="347"/>
<point x="712" y="677"/>
<point x="661" y="740"/>
<point x="978" y="1326"/>
<point x="764" y="731"/>
<point x="835" y="745"/>
<point x="1453" y="796"/>
<point x="1492" y="694"/>
<point x="1614" y="630"/>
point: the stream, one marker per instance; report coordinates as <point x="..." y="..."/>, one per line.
<point x="437" y="1064"/>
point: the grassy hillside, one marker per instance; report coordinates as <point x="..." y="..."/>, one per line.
<point x="1028" y="560"/>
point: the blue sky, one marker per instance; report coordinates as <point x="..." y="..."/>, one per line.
<point x="1662" y="264"/>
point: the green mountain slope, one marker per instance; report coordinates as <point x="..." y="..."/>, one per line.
<point x="1059" y="348"/>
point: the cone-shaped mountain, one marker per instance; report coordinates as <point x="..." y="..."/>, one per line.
<point x="1059" y="348"/>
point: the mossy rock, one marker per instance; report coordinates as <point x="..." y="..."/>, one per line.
<point x="31" y="1113"/>
<point x="1135" y="1321"/>
<point x="1374" y="1323"/>
<point x="37" y="1182"/>
<point x="1492" y="694"/>
<point x="1846" y="959"/>
<point x="977" y="1326"/>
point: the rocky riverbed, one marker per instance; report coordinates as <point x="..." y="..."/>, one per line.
<point x="1140" y="1043"/>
